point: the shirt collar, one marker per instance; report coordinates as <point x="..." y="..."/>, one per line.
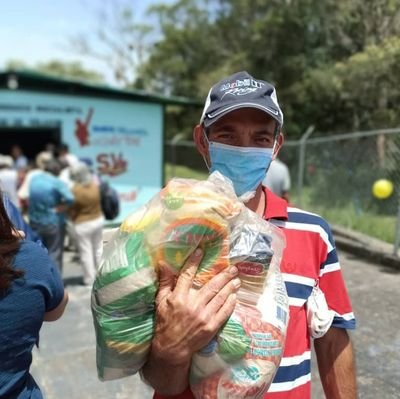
<point x="275" y="207"/>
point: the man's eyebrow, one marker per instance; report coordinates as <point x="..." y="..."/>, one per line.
<point x="265" y="131"/>
<point x="225" y="127"/>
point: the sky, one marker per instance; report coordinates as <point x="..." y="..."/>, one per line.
<point x="35" y="31"/>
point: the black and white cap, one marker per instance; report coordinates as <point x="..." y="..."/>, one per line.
<point x="240" y="90"/>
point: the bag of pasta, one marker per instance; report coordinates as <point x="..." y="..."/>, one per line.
<point x="184" y="215"/>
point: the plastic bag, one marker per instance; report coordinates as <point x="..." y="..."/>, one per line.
<point x="243" y="358"/>
<point x="319" y="316"/>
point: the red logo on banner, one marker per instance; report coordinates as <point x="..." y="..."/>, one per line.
<point x="82" y="129"/>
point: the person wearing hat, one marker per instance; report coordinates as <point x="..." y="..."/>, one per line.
<point x="239" y="133"/>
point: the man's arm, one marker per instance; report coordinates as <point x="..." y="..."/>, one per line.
<point x="336" y="364"/>
<point x="186" y="320"/>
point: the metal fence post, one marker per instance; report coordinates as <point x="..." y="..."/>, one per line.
<point x="397" y="234"/>
<point x="302" y="155"/>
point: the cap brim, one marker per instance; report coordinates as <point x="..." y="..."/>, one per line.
<point x="212" y="117"/>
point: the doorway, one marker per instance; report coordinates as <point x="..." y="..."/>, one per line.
<point x="31" y="140"/>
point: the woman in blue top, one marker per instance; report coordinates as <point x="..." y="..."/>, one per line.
<point x="31" y="291"/>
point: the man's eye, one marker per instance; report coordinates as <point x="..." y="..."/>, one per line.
<point x="225" y="135"/>
<point x="265" y="139"/>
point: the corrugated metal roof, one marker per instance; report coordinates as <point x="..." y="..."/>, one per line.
<point x="36" y="81"/>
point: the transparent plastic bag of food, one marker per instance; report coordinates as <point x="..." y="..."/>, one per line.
<point x="242" y="360"/>
<point x="187" y="214"/>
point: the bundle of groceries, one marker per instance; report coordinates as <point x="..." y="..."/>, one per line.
<point x="242" y="359"/>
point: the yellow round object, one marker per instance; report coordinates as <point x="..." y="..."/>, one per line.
<point x="382" y="188"/>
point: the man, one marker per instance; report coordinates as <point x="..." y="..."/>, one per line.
<point x="239" y="134"/>
<point x="49" y="200"/>
<point x="65" y="157"/>
<point x="277" y="179"/>
<point x="20" y="161"/>
<point x="23" y="192"/>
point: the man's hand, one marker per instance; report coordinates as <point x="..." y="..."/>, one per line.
<point x="186" y="320"/>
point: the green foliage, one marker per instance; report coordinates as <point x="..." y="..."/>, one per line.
<point x="334" y="62"/>
<point x="328" y="59"/>
<point x="73" y="70"/>
<point x="359" y="93"/>
<point x="62" y="69"/>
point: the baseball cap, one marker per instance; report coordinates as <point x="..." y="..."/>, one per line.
<point x="240" y="90"/>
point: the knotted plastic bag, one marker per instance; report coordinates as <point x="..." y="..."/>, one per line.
<point x="243" y="358"/>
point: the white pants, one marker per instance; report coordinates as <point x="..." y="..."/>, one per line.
<point x="90" y="246"/>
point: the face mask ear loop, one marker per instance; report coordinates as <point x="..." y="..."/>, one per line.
<point x="204" y="158"/>
<point x="273" y="150"/>
<point x="276" y="134"/>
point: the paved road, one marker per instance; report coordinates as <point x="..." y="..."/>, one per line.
<point x="64" y="366"/>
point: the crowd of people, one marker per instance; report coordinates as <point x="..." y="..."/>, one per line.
<point x="57" y="195"/>
<point x="239" y="134"/>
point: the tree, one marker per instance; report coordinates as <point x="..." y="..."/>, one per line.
<point x="119" y="42"/>
<point x="359" y="93"/>
<point x="62" y="69"/>
<point x="73" y="70"/>
<point x="313" y="51"/>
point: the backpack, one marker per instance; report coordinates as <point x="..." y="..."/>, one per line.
<point x="109" y="201"/>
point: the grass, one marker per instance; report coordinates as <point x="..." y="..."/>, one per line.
<point x="183" y="171"/>
<point x="382" y="227"/>
<point x="377" y="226"/>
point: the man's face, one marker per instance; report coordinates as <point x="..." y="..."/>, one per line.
<point x="246" y="127"/>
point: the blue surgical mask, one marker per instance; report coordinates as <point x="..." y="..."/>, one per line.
<point x="244" y="166"/>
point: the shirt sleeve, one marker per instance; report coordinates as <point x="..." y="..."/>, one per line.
<point x="65" y="192"/>
<point x="331" y="282"/>
<point x="44" y="274"/>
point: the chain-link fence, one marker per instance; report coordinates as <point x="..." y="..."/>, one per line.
<point x="334" y="176"/>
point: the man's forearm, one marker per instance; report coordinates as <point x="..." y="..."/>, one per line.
<point x="166" y="379"/>
<point x="336" y="364"/>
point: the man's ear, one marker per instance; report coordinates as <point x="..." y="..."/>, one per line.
<point x="200" y="141"/>
<point x="279" y="143"/>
